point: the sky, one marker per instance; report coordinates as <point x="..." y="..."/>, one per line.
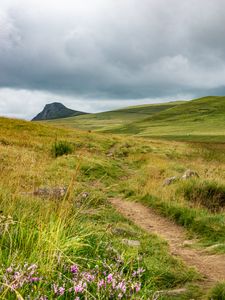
<point x="97" y="55"/>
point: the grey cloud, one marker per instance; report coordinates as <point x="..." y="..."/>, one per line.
<point x="97" y="49"/>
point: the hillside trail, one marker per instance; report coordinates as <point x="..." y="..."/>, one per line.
<point x="212" y="267"/>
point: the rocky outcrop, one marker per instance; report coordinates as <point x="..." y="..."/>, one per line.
<point x="56" y="110"/>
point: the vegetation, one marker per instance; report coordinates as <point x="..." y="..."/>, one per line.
<point x="61" y="148"/>
<point x="199" y="120"/>
<point x="60" y="238"/>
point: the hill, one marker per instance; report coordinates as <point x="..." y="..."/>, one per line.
<point x="114" y="119"/>
<point x="200" y="119"/>
<point x="56" y="110"/>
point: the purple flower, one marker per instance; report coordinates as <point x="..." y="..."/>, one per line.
<point x="55" y="288"/>
<point x="78" y="288"/>
<point x="74" y="269"/>
<point x="34" y="279"/>
<point x="9" y="270"/>
<point x="137" y="287"/>
<point x="101" y="283"/>
<point x="61" y="291"/>
<point x="109" y="278"/>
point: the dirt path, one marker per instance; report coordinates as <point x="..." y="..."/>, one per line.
<point x="212" y="267"/>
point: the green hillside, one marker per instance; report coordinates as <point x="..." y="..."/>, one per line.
<point x="200" y="119"/>
<point x="114" y="119"/>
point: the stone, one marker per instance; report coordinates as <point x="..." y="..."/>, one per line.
<point x="157" y="295"/>
<point x="189" y="174"/>
<point x="132" y="243"/>
<point x="170" y="180"/>
<point x="46" y="192"/>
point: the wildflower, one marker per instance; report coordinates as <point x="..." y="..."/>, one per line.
<point x="120" y="295"/>
<point x="78" y="288"/>
<point x="35" y="279"/>
<point x="55" y="288"/>
<point x="137" y="287"/>
<point x="101" y="283"/>
<point x="74" y="269"/>
<point x="140" y="271"/>
<point x="109" y="278"/>
<point x="9" y="270"/>
<point x="61" y="291"/>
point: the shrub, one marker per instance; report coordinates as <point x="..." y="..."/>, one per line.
<point x="217" y="292"/>
<point x="61" y="148"/>
<point x="209" y="194"/>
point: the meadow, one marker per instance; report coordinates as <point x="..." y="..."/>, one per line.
<point x="60" y="237"/>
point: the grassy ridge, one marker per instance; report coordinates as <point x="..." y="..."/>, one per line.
<point x="196" y="120"/>
<point x="114" y="119"/>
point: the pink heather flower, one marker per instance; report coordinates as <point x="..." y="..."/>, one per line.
<point x="109" y="278"/>
<point x="78" y="288"/>
<point x="140" y="271"/>
<point x="101" y="283"/>
<point x="77" y="298"/>
<point x="61" y="291"/>
<point x="122" y="286"/>
<point x="120" y="295"/>
<point x="55" y="288"/>
<point x="9" y="270"/>
<point x="35" y="279"/>
<point x="137" y="287"/>
<point x="74" y="269"/>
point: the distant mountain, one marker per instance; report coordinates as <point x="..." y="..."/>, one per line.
<point x="56" y="110"/>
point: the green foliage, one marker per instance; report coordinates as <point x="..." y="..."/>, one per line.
<point x="61" y="148"/>
<point x="209" y="194"/>
<point x="217" y="292"/>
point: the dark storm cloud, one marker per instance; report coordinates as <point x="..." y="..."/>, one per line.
<point x="107" y="49"/>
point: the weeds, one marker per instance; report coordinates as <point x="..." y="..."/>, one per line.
<point x="208" y="194"/>
<point x="61" y="148"/>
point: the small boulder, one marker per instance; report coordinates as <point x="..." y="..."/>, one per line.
<point x="170" y="180"/>
<point x="46" y="192"/>
<point x="188" y="174"/>
<point x="132" y="243"/>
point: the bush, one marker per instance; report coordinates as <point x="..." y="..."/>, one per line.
<point x="209" y="194"/>
<point x="217" y="292"/>
<point x="61" y="148"/>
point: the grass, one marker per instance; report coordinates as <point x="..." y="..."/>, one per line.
<point x="199" y="120"/>
<point x="42" y="238"/>
<point x="113" y="119"/>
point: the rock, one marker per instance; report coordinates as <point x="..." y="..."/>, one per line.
<point x="84" y="195"/>
<point x="157" y="295"/>
<point x="122" y="231"/>
<point x="170" y="180"/>
<point x="132" y="243"/>
<point x="188" y="174"/>
<point x="46" y="192"/>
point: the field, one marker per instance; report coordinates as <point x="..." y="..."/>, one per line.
<point x="60" y="236"/>
<point x="113" y="119"/>
<point x="199" y="120"/>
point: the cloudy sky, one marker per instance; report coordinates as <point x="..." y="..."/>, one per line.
<point x="95" y="55"/>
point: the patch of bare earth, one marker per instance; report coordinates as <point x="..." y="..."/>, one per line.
<point x="212" y="267"/>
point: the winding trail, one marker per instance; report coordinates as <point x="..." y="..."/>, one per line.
<point x="212" y="267"/>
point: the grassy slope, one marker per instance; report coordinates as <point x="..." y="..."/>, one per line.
<point x="56" y="233"/>
<point x="113" y="119"/>
<point x="197" y="120"/>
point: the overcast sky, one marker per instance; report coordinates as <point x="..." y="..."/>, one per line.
<point x="94" y="55"/>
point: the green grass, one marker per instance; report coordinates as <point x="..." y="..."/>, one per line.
<point x="113" y="119"/>
<point x="197" y="120"/>
<point x="78" y="228"/>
